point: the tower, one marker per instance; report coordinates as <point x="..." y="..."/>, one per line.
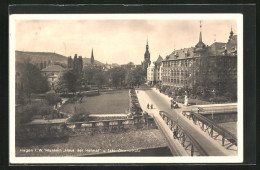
<point x="92" y="57"/>
<point x="231" y="34"/>
<point x="200" y="46"/>
<point x="147" y="60"/>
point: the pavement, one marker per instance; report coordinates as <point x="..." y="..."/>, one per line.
<point x="161" y="102"/>
<point x="174" y="145"/>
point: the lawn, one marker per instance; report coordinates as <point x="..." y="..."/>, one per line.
<point x="110" y="102"/>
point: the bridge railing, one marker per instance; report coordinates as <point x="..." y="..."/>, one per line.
<point x="186" y="140"/>
<point x="215" y="110"/>
<point x="210" y="126"/>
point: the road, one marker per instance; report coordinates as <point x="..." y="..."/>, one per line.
<point x="207" y="143"/>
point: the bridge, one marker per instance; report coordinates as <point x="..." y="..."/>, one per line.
<point x="186" y="131"/>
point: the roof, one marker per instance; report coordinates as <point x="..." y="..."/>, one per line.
<point x="181" y="54"/>
<point x="217" y="48"/>
<point x="159" y="59"/>
<point x="53" y="68"/>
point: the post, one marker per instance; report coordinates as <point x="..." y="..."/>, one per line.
<point x="192" y="150"/>
<point x="211" y="131"/>
<point x="183" y="139"/>
<point x="223" y="139"/>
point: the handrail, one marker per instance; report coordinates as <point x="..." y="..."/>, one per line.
<point x="215" y="126"/>
<point x="187" y="134"/>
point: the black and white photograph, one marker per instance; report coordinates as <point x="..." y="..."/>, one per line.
<point x="126" y="88"/>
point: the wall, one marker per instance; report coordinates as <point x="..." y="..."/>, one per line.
<point x="54" y="130"/>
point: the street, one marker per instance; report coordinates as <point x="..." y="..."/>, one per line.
<point x="210" y="145"/>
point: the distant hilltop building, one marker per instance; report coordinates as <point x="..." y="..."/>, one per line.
<point x="206" y="66"/>
<point x="147" y="60"/>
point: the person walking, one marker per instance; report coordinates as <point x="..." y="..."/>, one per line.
<point x="148" y="106"/>
<point x="151" y="106"/>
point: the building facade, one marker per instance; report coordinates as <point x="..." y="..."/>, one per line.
<point x="52" y="73"/>
<point x="151" y="74"/>
<point x="158" y="70"/>
<point x="207" y="66"/>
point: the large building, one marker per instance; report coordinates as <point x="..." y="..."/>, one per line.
<point x="207" y="66"/>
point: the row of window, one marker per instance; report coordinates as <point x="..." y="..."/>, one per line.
<point x="178" y="63"/>
<point x="175" y="81"/>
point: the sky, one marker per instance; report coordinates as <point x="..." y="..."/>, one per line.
<point x="117" y="41"/>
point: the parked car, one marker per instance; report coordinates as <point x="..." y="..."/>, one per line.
<point x="174" y="104"/>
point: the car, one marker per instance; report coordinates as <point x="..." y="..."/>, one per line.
<point x="174" y="104"/>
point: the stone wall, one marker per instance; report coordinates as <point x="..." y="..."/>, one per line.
<point x="54" y="130"/>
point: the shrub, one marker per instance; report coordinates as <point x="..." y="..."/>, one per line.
<point x="218" y="99"/>
<point x="53" y="98"/>
<point x="26" y="112"/>
<point x="79" y="117"/>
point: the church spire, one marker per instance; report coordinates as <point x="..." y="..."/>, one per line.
<point x="92" y="57"/>
<point x="231" y="34"/>
<point x="147" y="46"/>
<point x="200" y="39"/>
<point x="200" y="45"/>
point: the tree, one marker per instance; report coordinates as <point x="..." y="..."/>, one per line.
<point x="117" y="75"/>
<point x="89" y="73"/>
<point x="99" y="79"/>
<point x="68" y="81"/>
<point x="80" y="64"/>
<point x="70" y="62"/>
<point x="136" y="77"/>
<point x="32" y="80"/>
<point x="75" y="63"/>
<point x="53" y="99"/>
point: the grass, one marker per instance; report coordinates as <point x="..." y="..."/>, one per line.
<point x="112" y="102"/>
<point x="100" y="143"/>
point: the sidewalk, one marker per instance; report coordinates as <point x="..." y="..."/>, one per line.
<point x="174" y="144"/>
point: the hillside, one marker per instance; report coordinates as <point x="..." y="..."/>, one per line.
<point x="37" y="57"/>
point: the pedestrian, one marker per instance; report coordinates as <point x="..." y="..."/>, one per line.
<point x="174" y="133"/>
<point x="148" y="106"/>
<point x="151" y="106"/>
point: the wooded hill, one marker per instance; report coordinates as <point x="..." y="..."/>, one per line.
<point x="37" y="57"/>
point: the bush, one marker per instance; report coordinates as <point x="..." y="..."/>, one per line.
<point x="218" y="99"/>
<point x="79" y="117"/>
<point x="53" y="98"/>
<point x="26" y="113"/>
